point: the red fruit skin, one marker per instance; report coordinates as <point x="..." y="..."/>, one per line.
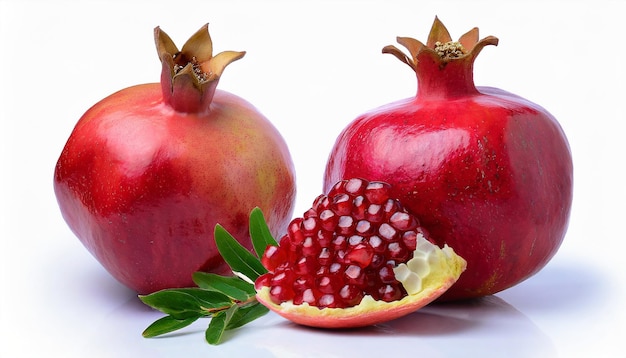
<point x="486" y="172"/>
<point x="143" y="185"/>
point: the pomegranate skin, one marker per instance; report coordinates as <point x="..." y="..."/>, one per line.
<point x="485" y="171"/>
<point x="489" y="174"/>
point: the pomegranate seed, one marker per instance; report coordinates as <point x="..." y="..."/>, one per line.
<point x="306" y="296"/>
<point x="377" y="244"/>
<point x="360" y="255"/>
<point x="321" y="203"/>
<point x="324" y="257"/>
<point x="282" y="277"/>
<point x="311" y="213"/>
<point x="284" y="243"/>
<point x="263" y="280"/>
<point x="272" y="257"/>
<point x="364" y="227"/>
<point x="355" y="240"/>
<point x="339" y="255"/>
<point x="354" y="275"/>
<point x="324" y="238"/>
<point x="387" y="232"/>
<point x="409" y="239"/>
<point x="327" y="300"/>
<point x="390" y="207"/>
<point x="310" y="247"/>
<point x="334" y="268"/>
<point x="279" y="294"/>
<point x="309" y="225"/>
<point x="328" y="220"/>
<point x="374" y="213"/>
<point x="295" y="234"/>
<point x="390" y="293"/>
<point x="386" y="274"/>
<point x="354" y="186"/>
<point x="397" y="252"/>
<point x="345" y="225"/>
<point x="359" y="206"/>
<point x="307" y="265"/>
<point x="339" y="243"/>
<point x="302" y="283"/>
<point x="336" y="189"/>
<point x="403" y="221"/>
<point x="342" y="204"/>
<point x="325" y="285"/>
<point x="377" y="192"/>
<point x="377" y="261"/>
<point x="350" y="295"/>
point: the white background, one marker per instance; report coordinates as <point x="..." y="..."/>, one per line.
<point x="311" y="67"/>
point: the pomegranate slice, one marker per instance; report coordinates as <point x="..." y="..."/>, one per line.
<point x="364" y="271"/>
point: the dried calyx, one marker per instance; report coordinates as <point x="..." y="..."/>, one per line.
<point x="444" y="67"/>
<point x="189" y="76"/>
<point x="441" y="46"/>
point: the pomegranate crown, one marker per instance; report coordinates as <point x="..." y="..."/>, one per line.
<point x="189" y="76"/>
<point x="196" y="58"/>
<point x="440" y="47"/>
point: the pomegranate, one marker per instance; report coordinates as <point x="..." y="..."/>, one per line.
<point x="486" y="171"/>
<point x="356" y="258"/>
<point x="149" y="171"/>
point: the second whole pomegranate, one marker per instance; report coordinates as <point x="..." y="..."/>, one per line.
<point x="486" y="171"/>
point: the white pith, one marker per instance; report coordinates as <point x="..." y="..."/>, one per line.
<point x="412" y="273"/>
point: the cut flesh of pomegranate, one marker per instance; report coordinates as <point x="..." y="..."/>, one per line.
<point x="356" y="258"/>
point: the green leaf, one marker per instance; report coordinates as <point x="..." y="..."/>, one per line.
<point x="167" y="324"/>
<point x="247" y="314"/>
<point x="232" y="286"/>
<point x="236" y="256"/>
<point x="218" y="324"/>
<point x="208" y="299"/>
<point x="183" y="303"/>
<point x="260" y="233"/>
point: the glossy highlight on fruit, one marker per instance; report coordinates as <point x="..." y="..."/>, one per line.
<point x="356" y="258"/>
<point x="486" y="171"/>
<point x="149" y="171"/>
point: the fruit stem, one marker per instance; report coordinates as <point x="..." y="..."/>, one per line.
<point x="214" y="310"/>
<point x="438" y="78"/>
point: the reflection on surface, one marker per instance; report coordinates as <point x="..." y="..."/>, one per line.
<point x="487" y="327"/>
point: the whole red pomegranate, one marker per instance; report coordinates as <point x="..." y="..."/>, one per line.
<point x="486" y="172"/>
<point x="149" y="171"/>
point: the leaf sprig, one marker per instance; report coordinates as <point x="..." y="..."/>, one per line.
<point x="230" y="301"/>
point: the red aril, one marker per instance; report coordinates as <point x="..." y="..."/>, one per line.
<point x="336" y="268"/>
<point x="149" y="171"/>
<point x="487" y="172"/>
